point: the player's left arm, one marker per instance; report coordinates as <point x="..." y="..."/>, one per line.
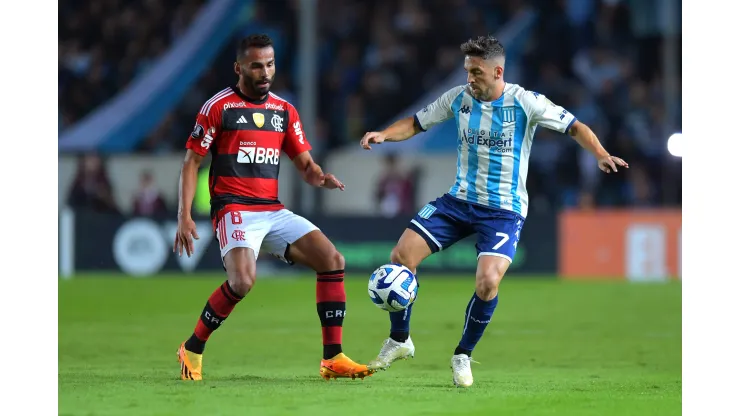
<point x="554" y="117"/>
<point x="297" y="148"/>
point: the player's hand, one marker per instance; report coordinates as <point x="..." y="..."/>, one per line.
<point x="610" y="163"/>
<point x="184" y="237"/>
<point x="372" y="137"/>
<point x="331" y="182"/>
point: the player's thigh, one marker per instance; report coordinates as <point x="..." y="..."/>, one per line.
<point x="294" y="239"/>
<point x="240" y="235"/>
<point x="440" y="224"/>
<point x="410" y="250"/>
<point x="498" y="233"/>
<point x="316" y="251"/>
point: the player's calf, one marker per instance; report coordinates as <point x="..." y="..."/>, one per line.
<point x="240" y="268"/>
<point x="483" y="303"/>
<point x="317" y="252"/>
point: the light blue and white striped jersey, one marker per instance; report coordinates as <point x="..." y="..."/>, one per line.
<point x="494" y="141"/>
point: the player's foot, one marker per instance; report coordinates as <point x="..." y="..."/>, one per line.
<point x="341" y="366"/>
<point x="462" y="376"/>
<point x="391" y="351"/>
<point x="191" y="364"/>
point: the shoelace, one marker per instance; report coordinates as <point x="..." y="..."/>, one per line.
<point x="460" y="362"/>
<point x="388" y="347"/>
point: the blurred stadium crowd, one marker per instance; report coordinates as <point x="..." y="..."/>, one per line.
<point x="598" y="58"/>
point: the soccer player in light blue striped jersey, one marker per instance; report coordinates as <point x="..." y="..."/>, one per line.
<point x="496" y="122"/>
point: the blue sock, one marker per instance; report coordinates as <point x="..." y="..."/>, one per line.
<point x="400" y="322"/>
<point x="477" y="316"/>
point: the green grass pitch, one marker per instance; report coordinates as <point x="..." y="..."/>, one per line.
<point x="552" y="348"/>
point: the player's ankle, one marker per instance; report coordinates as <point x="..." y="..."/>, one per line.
<point x="195" y="345"/>
<point x="399" y="336"/>
<point x="459" y="350"/>
<point x="331" y="351"/>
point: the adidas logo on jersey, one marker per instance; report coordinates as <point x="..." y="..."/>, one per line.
<point x="242" y="120"/>
<point x="249" y="154"/>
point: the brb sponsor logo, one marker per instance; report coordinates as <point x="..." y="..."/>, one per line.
<point x="250" y="153"/>
<point x="240" y="104"/>
<point x="500" y="142"/>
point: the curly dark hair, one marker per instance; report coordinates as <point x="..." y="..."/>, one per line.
<point x="485" y="47"/>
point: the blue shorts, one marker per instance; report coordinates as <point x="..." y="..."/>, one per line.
<point x="447" y="220"/>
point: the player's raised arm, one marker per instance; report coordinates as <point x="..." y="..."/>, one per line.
<point x="588" y="140"/>
<point x="437" y="112"/>
<point x="547" y="114"/>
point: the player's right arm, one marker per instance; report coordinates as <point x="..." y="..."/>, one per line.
<point x="207" y="127"/>
<point x="554" y="117"/>
<point x="437" y="112"/>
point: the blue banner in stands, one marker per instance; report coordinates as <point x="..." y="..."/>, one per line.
<point x="120" y="124"/>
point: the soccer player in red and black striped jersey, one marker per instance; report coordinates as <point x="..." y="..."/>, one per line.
<point x="246" y="128"/>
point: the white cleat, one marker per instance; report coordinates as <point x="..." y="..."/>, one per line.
<point x="390" y="352"/>
<point x="462" y="376"/>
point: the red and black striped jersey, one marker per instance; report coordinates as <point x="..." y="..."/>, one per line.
<point x="246" y="138"/>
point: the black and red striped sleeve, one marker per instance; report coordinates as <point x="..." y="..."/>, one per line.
<point x="295" y="141"/>
<point x="207" y="128"/>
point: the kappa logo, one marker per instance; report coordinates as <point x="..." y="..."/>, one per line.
<point x="465" y="109"/>
<point x="251" y="154"/>
<point x="259" y="119"/>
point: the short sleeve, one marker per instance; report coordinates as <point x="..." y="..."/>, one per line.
<point x="545" y="113"/>
<point x="206" y="130"/>
<point x="295" y="141"/>
<point x="438" y="111"/>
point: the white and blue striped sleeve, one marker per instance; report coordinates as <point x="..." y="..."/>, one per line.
<point x="438" y="111"/>
<point x="545" y="113"/>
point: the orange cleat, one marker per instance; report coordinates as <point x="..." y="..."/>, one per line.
<point x="191" y="364"/>
<point x="341" y="366"/>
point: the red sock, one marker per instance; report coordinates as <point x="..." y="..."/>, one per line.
<point x="331" y="306"/>
<point x="217" y="309"/>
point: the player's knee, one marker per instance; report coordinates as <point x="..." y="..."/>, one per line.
<point x="486" y="284"/>
<point x="334" y="260"/>
<point x="242" y="281"/>
<point x="401" y="256"/>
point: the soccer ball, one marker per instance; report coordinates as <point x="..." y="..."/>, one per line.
<point x="392" y="287"/>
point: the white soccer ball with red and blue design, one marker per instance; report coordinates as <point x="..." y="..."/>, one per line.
<point x="392" y="287"/>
